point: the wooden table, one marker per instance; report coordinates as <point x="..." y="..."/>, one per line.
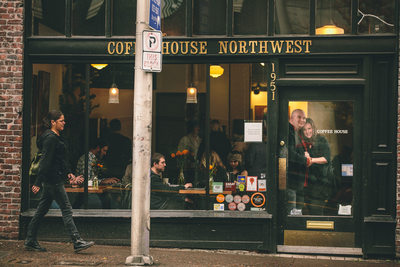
<point x="201" y="192"/>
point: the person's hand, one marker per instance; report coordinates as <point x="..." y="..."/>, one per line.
<point x="188" y="185"/>
<point x="112" y="180"/>
<point x="35" y="189"/>
<point x="309" y="161"/>
<point x="306" y="154"/>
<point x="75" y="180"/>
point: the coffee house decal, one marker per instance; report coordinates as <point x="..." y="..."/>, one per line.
<point x="218" y="47"/>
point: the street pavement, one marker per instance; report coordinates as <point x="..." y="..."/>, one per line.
<point x="12" y="253"/>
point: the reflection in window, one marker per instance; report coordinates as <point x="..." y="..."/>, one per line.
<point x="209" y="17"/>
<point x="334" y="14"/>
<point x="124" y="17"/>
<point x="88" y="17"/>
<point x="173" y="17"/>
<point x="250" y="16"/>
<point x="320" y="170"/>
<point x="292" y="17"/>
<point x="376" y="17"/>
<point x="48" y="17"/>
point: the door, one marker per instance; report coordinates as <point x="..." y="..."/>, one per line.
<point x="319" y="171"/>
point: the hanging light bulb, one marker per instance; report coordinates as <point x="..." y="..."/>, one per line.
<point x="216" y="71"/>
<point x="113" y="94"/>
<point x="99" y="66"/>
<point x="191" y="94"/>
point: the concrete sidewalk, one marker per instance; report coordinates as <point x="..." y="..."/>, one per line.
<point x="12" y="253"/>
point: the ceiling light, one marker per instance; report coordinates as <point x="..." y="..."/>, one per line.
<point x="99" y="66"/>
<point x="216" y="71"/>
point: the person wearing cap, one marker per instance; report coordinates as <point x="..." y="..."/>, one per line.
<point x="235" y="165"/>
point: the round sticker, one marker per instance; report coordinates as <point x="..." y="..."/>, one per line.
<point x="232" y="206"/>
<point x="229" y="198"/>
<point x="241" y="206"/>
<point x="245" y="199"/>
<point x="237" y="199"/>
<point x="220" y="198"/>
<point x="257" y="199"/>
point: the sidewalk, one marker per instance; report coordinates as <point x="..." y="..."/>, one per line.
<point x="12" y="253"/>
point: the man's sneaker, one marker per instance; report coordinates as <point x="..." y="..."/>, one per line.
<point x="80" y="244"/>
<point x="34" y="246"/>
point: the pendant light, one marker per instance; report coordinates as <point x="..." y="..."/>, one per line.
<point x="99" y="66"/>
<point x="216" y="71"/>
<point x="330" y="28"/>
<point x="113" y="92"/>
<point x="191" y="91"/>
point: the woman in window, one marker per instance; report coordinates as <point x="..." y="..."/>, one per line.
<point x="316" y="185"/>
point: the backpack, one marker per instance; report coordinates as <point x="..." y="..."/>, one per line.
<point x="34" y="168"/>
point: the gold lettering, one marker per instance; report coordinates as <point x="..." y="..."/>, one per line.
<point x="252" y="44"/>
<point x="298" y="48"/>
<point x="184" y="50"/>
<point x="307" y="43"/>
<point x="242" y="47"/>
<point x="119" y="48"/>
<point x="174" y="48"/>
<point x="289" y="46"/>
<point x="277" y="45"/>
<point x="263" y="47"/>
<point x="110" y="50"/>
<point x="165" y="47"/>
<point x="223" y="45"/>
<point x="203" y="47"/>
<point x="127" y="47"/>
<point x="194" y="49"/>
<point x="233" y="49"/>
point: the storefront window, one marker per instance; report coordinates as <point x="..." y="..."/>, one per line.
<point x="320" y="162"/>
<point x="88" y="17"/>
<point x="292" y="17"/>
<point x="333" y="17"/>
<point x="48" y="17"/>
<point x="236" y="172"/>
<point x="173" y="17"/>
<point x="124" y="17"/>
<point x="209" y="17"/>
<point x="250" y="16"/>
<point x="376" y="17"/>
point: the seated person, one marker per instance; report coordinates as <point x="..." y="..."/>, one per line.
<point x="163" y="200"/>
<point x="217" y="170"/>
<point x="97" y="151"/>
<point x="235" y="165"/>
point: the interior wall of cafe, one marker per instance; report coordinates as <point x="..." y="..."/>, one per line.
<point x="122" y="111"/>
<point x="55" y="84"/>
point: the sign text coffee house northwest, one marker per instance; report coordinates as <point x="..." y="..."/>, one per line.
<point x="207" y="47"/>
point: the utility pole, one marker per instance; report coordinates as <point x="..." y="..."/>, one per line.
<point x="142" y="127"/>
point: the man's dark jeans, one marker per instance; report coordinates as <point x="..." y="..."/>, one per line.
<point x="50" y="193"/>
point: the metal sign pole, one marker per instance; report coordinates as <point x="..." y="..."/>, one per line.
<point x="142" y="125"/>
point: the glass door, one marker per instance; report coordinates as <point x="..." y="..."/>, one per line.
<point x="318" y="151"/>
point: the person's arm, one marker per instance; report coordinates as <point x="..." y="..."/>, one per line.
<point x="244" y="172"/>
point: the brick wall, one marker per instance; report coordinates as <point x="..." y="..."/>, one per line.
<point x="11" y="88"/>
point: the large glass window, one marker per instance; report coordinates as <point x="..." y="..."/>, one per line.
<point x="376" y="17"/>
<point x="124" y="17"/>
<point x="320" y="167"/>
<point x="250" y="16"/>
<point x="173" y="17"/>
<point x="209" y="17"/>
<point x="333" y="17"/>
<point x="227" y="169"/>
<point x="292" y="17"/>
<point x="88" y="17"/>
<point x="48" y="17"/>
